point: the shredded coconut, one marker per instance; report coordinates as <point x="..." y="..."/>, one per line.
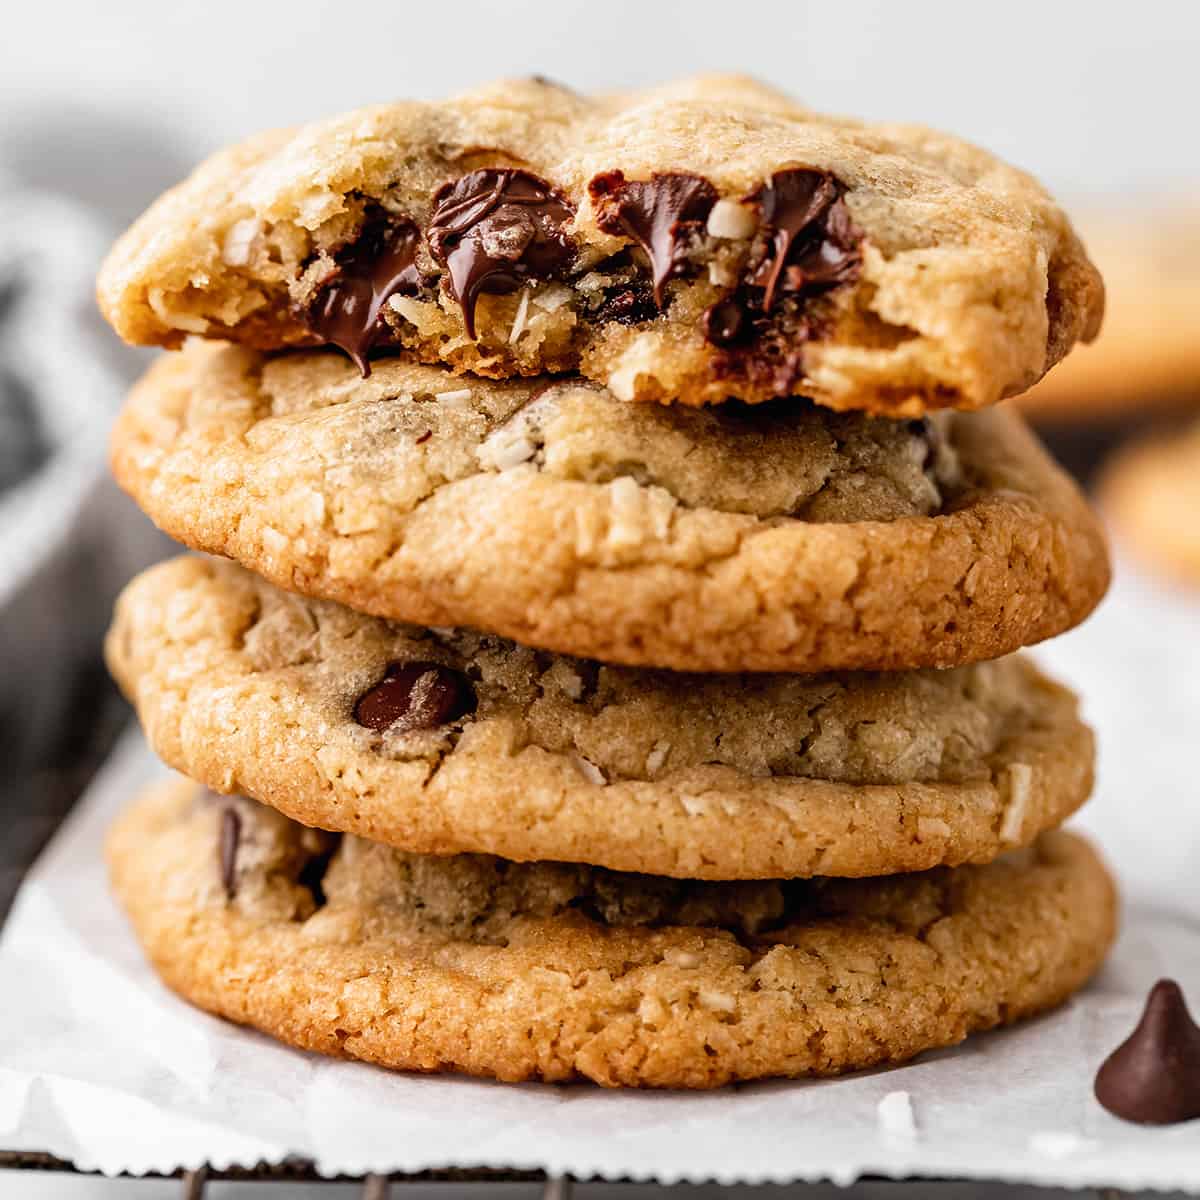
<point x="652" y="1011"/>
<point x="721" y="274"/>
<point x="505" y="449"/>
<point x="1054" y="1143"/>
<point x="896" y="1120"/>
<point x="238" y="239"/>
<point x="589" y="770"/>
<point x="172" y="318"/>
<point x="932" y="827"/>
<point x="314" y="208"/>
<point x="729" y="219"/>
<point x="639" y="359"/>
<point x="520" y="320"/>
<point x="657" y="757"/>
<point x="454" y="399"/>
<point x="1020" y="779"/>
<point x="571" y="682"/>
<point x="273" y="541"/>
<point x="627" y="524"/>
<point x="552" y="297"/>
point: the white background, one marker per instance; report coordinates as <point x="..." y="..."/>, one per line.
<point x="1092" y="95"/>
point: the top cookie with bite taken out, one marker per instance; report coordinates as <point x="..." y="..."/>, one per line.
<point x="704" y="240"/>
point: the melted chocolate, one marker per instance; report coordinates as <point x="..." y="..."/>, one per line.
<point x="1153" y="1077"/>
<point x="762" y="354"/>
<point x="726" y="323"/>
<point x="626" y="305"/>
<point x="496" y="228"/>
<point x="377" y="265"/>
<point x="663" y="214"/>
<point x="231" y="837"/>
<point x="313" y="872"/>
<point x="812" y="242"/>
<point x="807" y="245"/>
<point x="415" y="695"/>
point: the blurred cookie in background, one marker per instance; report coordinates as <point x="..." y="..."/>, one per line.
<point x="1151" y="493"/>
<point x="1143" y="370"/>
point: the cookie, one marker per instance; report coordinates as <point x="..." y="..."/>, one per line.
<point x="699" y="241"/>
<point x="774" y="537"/>
<point x="1151" y="491"/>
<point x="1148" y="356"/>
<point x="556" y="972"/>
<point x="444" y="742"/>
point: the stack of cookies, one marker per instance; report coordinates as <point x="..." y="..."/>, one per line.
<point x="614" y="674"/>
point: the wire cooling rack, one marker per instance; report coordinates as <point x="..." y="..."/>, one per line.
<point x="193" y="1184"/>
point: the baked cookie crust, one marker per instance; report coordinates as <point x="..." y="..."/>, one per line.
<point x="557" y="973"/>
<point x="703" y="240"/>
<point x="532" y="756"/>
<point x="772" y="538"/>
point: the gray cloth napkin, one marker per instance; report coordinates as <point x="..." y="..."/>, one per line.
<point x="67" y="540"/>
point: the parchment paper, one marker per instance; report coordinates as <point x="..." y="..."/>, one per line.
<point x="100" y="1065"/>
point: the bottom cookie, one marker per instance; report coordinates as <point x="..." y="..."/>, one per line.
<point x="558" y="971"/>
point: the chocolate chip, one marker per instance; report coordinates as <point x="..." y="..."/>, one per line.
<point x="626" y="305"/>
<point x="1153" y="1077"/>
<point x="377" y="265"/>
<point x="725" y="323"/>
<point x="415" y="695"/>
<point x="495" y="229"/>
<point x="312" y="873"/>
<point x="769" y="352"/>
<point x="662" y="214"/>
<point x="812" y="242"/>
<point x="231" y="837"/>
<point x="807" y="244"/>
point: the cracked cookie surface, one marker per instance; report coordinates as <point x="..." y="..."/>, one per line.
<point x="774" y="537"/>
<point x="703" y="240"/>
<point x="536" y="756"/>
<point x="556" y="972"/>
